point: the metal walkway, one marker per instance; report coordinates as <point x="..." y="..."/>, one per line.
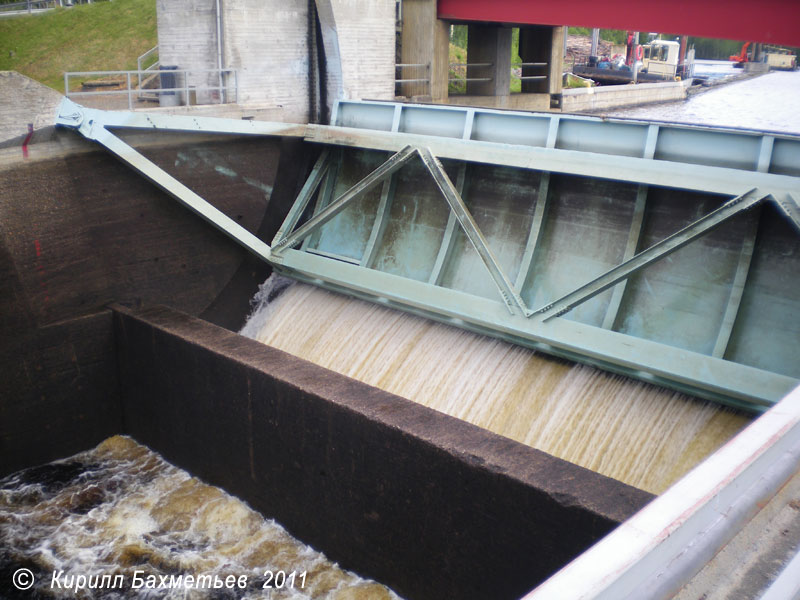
<point x="666" y="253"/>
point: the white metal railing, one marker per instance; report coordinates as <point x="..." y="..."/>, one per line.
<point x="188" y="87"/>
<point x="36" y="6"/>
<point x="520" y="65"/>
<point x="425" y="79"/>
<point x="147" y="56"/>
<point x="466" y="66"/>
<point x="147" y="73"/>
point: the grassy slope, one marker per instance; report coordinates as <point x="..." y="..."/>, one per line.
<point x="90" y="37"/>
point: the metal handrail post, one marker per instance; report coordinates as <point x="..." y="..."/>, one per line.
<point x="130" y="96"/>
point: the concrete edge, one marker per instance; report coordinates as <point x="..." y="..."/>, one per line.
<point x="430" y="505"/>
<point x="469" y="442"/>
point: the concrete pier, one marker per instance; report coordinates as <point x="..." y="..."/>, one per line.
<point x="489" y="60"/>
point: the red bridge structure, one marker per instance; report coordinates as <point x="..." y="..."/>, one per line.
<point x="767" y="21"/>
<point x="425" y="73"/>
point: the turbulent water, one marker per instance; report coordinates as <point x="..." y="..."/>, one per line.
<point x="121" y="510"/>
<point x="637" y="433"/>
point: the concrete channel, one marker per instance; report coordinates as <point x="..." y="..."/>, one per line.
<point x="89" y="252"/>
<point x="120" y="309"/>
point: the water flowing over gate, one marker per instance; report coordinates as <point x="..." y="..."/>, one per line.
<point x="664" y="252"/>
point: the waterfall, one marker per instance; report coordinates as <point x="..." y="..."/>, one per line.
<point x="635" y="432"/>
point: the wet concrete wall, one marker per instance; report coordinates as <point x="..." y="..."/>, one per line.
<point x="25" y="101"/>
<point x="79" y="229"/>
<point x="427" y="504"/>
<point x="423" y="502"/>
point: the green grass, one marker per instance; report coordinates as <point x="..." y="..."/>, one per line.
<point x="104" y="36"/>
<point x="458" y="54"/>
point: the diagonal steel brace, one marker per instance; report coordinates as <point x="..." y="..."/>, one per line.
<point x="653" y="254"/>
<point x="319" y="171"/>
<point x="362" y="187"/>
<point x="473" y="232"/>
<point x="790" y="207"/>
<point x="92" y="129"/>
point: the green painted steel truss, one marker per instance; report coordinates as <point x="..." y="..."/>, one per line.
<point x="518" y="246"/>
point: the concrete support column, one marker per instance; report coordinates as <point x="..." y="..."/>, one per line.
<point x="542" y="44"/>
<point x="489" y="45"/>
<point x="556" y="81"/>
<point x="425" y="40"/>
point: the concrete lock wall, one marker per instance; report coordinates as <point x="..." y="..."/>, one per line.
<point x="430" y="505"/>
<point x="269" y="44"/>
<point x="25" y="102"/>
<point x="364" y="33"/>
<point x="604" y="97"/>
<point x="79" y="229"/>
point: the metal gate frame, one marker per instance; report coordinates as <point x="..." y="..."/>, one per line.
<point x="461" y="134"/>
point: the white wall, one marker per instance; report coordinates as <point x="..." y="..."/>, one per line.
<point x="366" y="35"/>
<point x="187" y="39"/>
<point x="266" y="42"/>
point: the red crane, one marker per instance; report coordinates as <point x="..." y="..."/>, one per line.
<point x="740" y="58"/>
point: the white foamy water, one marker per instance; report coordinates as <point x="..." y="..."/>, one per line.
<point x="121" y="508"/>
<point x="637" y="433"/>
<point x="768" y="102"/>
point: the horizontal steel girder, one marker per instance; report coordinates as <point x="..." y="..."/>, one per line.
<point x="713" y="378"/>
<point x="692" y="177"/>
<point x="79" y="117"/>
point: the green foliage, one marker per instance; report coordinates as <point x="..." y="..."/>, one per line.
<point x="705" y="48"/>
<point x="711" y="49"/>
<point x="458" y="36"/>
<point x="88" y="37"/>
<point x="615" y="36"/>
<point x="515" y="46"/>
<point x="584" y="31"/>
<point x="516" y="82"/>
<point x="457" y="55"/>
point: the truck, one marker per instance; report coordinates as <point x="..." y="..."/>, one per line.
<point x="661" y="58"/>
<point x="780" y="59"/>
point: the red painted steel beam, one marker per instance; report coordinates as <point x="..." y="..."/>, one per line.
<point x="766" y="21"/>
